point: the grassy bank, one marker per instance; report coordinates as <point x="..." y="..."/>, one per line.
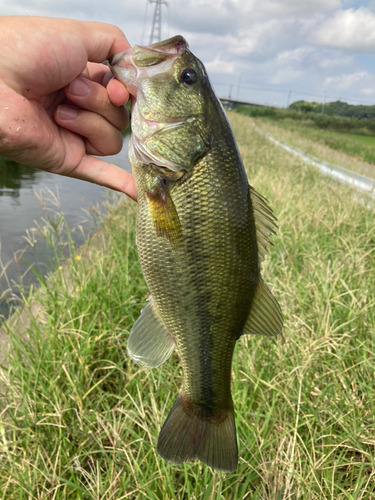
<point x="81" y="421"/>
<point x="359" y="146"/>
<point x="347" y="142"/>
<point x="351" y="151"/>
<point x="363" y="126"/>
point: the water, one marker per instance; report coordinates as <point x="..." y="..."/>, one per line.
<point x="20" y="207"/>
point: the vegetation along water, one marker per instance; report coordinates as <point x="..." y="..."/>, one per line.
<point x="26" y="195"/>
<point x="347" y="142"/>
<point x="79" y="420"/>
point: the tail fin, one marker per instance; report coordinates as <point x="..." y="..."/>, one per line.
<point x="185" y="435"/>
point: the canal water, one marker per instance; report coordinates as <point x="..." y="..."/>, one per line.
<point x="28" y="195"/>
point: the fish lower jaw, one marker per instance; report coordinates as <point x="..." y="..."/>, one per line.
<point x="127" y="74"/>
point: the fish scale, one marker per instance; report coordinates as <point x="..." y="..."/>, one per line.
<point x="201" y="236"/>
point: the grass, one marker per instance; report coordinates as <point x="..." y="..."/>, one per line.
<point x="352" y="151"/>
<point x="362" y="126"/>
<point x="80" y="420"/>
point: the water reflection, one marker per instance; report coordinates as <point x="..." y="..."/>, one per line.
<point x="21" y="209"/>
<point x="13" y="176"/>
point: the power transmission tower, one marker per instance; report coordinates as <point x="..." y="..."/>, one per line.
<point x="156" y="23"/>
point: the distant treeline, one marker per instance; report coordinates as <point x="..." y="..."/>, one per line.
<point x="337" y="108"/>
<point x="363" y="126"/>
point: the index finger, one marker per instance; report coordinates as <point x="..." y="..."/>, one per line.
<point x="70" y="45"/>
<point x="100" y="172"/>
<point x="99" y="73"/>
<point x="107" y="41"/>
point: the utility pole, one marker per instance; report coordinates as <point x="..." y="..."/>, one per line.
<point x="238" y="88"/>
<point x="324" y="102"/>
<point x="156" y="22"/>
<point x="289" y="96"/>
<point x="230" y="92"/>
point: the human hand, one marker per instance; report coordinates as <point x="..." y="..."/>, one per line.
<point x="58" y="104"/>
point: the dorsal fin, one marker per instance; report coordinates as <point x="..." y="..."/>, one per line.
<point x="265" y="222"/>
<point x="265" y="316"/>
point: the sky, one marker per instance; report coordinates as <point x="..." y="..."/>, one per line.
<point x="268" y="52"/>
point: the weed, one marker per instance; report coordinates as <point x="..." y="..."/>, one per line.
<point x="80" y="420"/>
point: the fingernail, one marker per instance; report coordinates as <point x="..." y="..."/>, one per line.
<point x="66" y="113"/>
<point x="79" y="88"/>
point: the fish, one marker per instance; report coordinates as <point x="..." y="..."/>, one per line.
<point x="202" y="234"/>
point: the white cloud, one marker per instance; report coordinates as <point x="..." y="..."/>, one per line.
<point x="219" y="66"/>
<point x="349" y="29"/>
<point x="286" y="7"/>
<point x="264" y="37"/>
<point x="298" y="54"/>
<point x="368" y="91"/>
<point x="286" y="75"/>
<point x="334" y="61"/>
<point x="303" y="45"/>
<point x="345" y="81"/>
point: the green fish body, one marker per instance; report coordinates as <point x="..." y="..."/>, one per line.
<point x="202" y="233"/>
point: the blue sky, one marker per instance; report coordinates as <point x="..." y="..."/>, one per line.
<point x="257" y="50"/>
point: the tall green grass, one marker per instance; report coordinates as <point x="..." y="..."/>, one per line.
<point x="351" y="151"/>
<point x="359" y="146"/>
<point x="336" y="108"/>
<point x="80" y="420"/>
<point x="363" y="126"/>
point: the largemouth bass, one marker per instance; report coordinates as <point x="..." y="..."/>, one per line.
<point x="202" y="234"/>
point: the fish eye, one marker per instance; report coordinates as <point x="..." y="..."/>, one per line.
<point x="189" y="76"/>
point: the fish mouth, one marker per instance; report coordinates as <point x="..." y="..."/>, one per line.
<point x="174" y="45"/>
<point x="134" y="63"/>
<point x="116" y="58"/>
<point x="159" y="52"/>
<point x="123" y="68"/>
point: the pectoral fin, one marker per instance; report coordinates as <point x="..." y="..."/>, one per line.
<point x="150" y="343"/>
<point x="265" y="314"/>
<point x="164" y="214"/>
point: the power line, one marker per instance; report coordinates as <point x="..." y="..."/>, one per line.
<point x="265" y="89"/>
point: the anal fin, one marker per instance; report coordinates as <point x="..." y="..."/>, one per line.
<point x="150" y="343"/>
<point x="265" y="316"/>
